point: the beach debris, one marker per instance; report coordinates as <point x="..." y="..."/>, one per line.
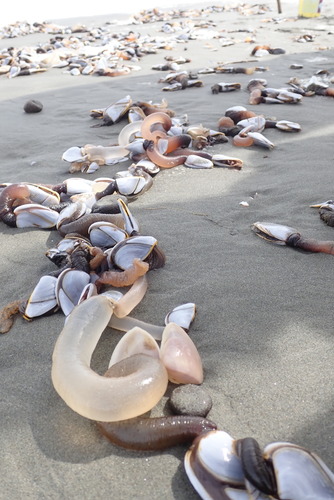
<point x="225" y="87"/>
<point x="264" y="50"/>
<point x="180" y="80"/>
<point x="326" y="211"/>
<point x="216" y="465"/>
<point x="33" y="106"/>
<point x="261" y="93"/>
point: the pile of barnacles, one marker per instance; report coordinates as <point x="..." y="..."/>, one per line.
<point x="103" y="251"/>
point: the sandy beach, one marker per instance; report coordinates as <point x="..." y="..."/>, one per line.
<point x="264" y="328"/>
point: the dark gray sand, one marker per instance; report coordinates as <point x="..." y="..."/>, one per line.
<point x="264" y="324"/>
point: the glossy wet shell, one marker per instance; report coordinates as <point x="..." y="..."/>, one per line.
<point x="106" y="234"/>
<point x="70" y="285"/>
<point x="43" y="298"/>
<point x="135" y="247"/>
<point x="212" y="467"/>
<point x="300" y="474"/>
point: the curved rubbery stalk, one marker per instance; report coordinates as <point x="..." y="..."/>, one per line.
<point x="132" y="386"/>
<point x="151" y="434"/>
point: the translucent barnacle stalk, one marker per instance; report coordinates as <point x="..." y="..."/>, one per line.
<point x="130" y="388"/>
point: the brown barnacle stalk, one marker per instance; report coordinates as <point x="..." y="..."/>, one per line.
<point x="97" y="256"/>
<point x="159" y="433"/>
<point x="126" y="277"/>
<point x="7" y="315"/>
<point x="285" y="235"/>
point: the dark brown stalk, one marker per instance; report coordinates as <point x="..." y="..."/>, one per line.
<point x="150" y="434"/>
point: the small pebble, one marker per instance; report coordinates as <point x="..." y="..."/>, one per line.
<point x="33" y="106"/>
<point x="190" y="400"/>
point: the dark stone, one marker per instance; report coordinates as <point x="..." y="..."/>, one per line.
<point x="190" y="399"/>
<point x="33" y="106"/>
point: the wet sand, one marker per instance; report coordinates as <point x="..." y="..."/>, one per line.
<point x="264" y="319"/>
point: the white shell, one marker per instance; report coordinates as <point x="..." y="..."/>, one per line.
<point x="116" y="110"/>
<point x="130" y="185"/>
<point x="261" y="140"/>
<point x="182" y="315"/>
<point x="300" y="474"/>
<point x="77" y="185"/>
<point x="105" y="234"/>
<point x="35" y="215"/>
<point x="43" y="298"/>
<point x="257" y="123"/>
<point x="135" y="247"/>
<point x="215" y="454"/>
<point x="73" y="154"/>
<point x="70" y="285"/>
<point x="71" y="212"/>
<point x="278" y="231"/>
<point x="196" y="161"/>
<point x="43" y="196"/>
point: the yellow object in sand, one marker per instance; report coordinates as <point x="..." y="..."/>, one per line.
<point x="309" y="8"/>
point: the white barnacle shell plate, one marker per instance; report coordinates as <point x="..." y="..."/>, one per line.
<point x="256" y="122"/>
<point x="35" y="215"/>
<point x="43" y="195"/>
<point x="73" y="154"/>
<point x="196" y="161"/>
<point x="70" y="285"/>
<point x="105" y="234"/>
<point x="43" y="298"/>
<point x="274" y="231"/>
<point x="182" y="315"/>
<point x="116" y="110"/>
<point x="211" y="464"/>
<point x="261" y="140"/>
<point x="300" y="474"/>
<point x="130" y="185"/>
<point x="77" y="185"/>
<point x="135" y="247"/>
<point x="71" y="212"/>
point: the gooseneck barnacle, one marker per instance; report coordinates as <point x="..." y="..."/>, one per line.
<point x="133" y="386"/>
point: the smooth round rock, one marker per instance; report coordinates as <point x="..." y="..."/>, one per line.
<point x="190" y="399"/>
<point x="33" y="106"/>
